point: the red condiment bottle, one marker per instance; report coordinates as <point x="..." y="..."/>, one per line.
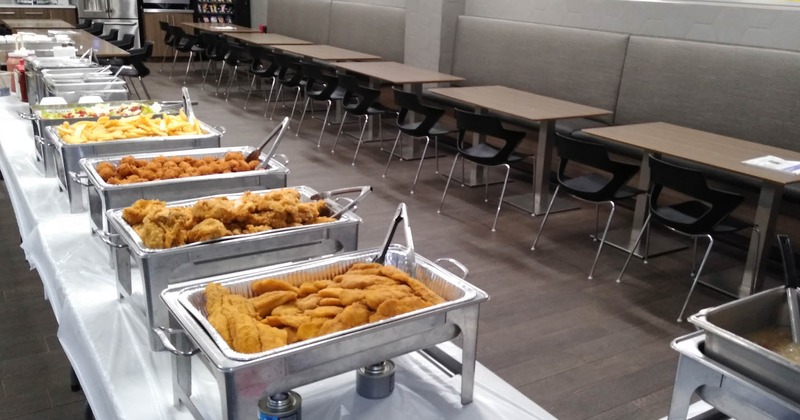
<point x="23" y="82"/>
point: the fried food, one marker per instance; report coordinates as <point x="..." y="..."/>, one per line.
<point x="163" y="227"/>
<point x="278" y="315"/>
<point x="145" y="125"/>
<point x="131" y="170"/>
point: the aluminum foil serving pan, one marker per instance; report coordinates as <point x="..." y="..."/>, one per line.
<point x="104" y="196"/>
<point x="725" y="327"/>
<point x="68" y="156"/>
<point x="160" y="268"/>
<point x="244" y="378"/>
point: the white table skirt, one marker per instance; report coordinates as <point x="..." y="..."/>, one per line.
<point x="106" y="340"/>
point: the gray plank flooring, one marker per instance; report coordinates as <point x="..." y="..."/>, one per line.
<point x="582" y="349"/>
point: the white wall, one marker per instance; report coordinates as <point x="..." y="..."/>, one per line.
<point x="389" y="3"/>
<point x="258" y="13"/>
<point x="762" y="26"/>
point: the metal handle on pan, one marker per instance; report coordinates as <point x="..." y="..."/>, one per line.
<point x="80" y="179"/>
<point x="283" y="159"/>
<point x="364" y="191"/>
<point x="221" y="129"/>
<point x="109" y="238"/>
<point x="456" y="263"/>
<point x="40" y="141"/>
<point x="162" y="332"/>
<point x="26" y="116"/>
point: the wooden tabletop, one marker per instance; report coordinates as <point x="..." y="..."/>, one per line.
<point x="266" y="39"/>
<point x="518" y="103"/>
<point x="328" y="53"/>
<point x="84" y="40"/>
<point x="396" y="73"/>
<point x="702" y="147"/>
<point x="219" y="27"/>
<point x="20" y="24"/>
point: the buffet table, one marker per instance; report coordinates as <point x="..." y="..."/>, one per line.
<point x="106" y="340"/>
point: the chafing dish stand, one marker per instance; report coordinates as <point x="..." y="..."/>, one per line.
<point x="726" y="390"/>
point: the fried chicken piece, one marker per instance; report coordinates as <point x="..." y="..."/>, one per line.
<point x="346" y="296"/>
<point x="271" y="337"/>
<point x="245" y="333"/>
<point x="309" y="288"/>
<point x="310" y="329"/>
<point x="214" y="297"/>
<point x="420" y="289"/>
<point x="136" y="213"/>
<point x="308" y="302"/>
<point x="206" y="230"/>
<point x="219" y="208"/>
<point x="324" y="312"/>
<point x="271" y="285"/>
<point x="352" y="316"/>
<point x="287" y="309"/>
<point x="166" y="228"/>
<point x="265" y="303"/>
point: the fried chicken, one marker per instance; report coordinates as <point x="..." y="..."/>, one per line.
<point x="206" y="230"/>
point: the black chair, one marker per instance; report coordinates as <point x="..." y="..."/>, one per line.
<point x="135" y="60"/>
<point x="360" y="101"/>
<point x="320" y="86"/>
<point x="86" y="24"/>
<point x="237" y="56"/>
<point x="126" y="42"/>
<point x="184" y="43"/>
<point x="112" y="35"/>
<point x="263" y="67"/>
<point x="96" y="29"/>
<point x="483" y="153"/>
<point x="290" y="76"/>
<point x="607" y="185"/>
<point x="706" y="213"/>
<point x="427" y="128"/>
<point x="169" y="40"/>
<point x="216" y="50"/>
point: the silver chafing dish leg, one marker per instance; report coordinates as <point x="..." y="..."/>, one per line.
<point x="691" y="375"/>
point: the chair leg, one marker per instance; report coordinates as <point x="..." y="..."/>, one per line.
<point x="174" y="59"/>
<point x="694" y="256"/>
<point x="419" y="167"/>
<point x="231" y="78"/>
<point x="447" y="184"/>
<point x="205" y="75"/>
<point x="360" y="139"/>
<point x="324" y="121"/>
<point x="436" y="152"/>
<point x="164" y="60"/>
<point x="603" y="238"/>
<point x="633" y="248"/>
<point x="294" y="105"/>
<point x="249" y="92"/>
<point x="596" y="221"/>
<point x="219" y="79"/>
<point x="302" y="116"/>
<point x="502" y="194"/>
<point x="339" y="133"/>
<point x="697" y="276"/>
<point x="144" y="88"/>
<point x="269" y="98"/>
<point x="546" y="215"/>
<point x="188" y="64"/>
<point x="277" y="99"/>
<point x="391" y="154"/>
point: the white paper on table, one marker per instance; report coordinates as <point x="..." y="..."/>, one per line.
<point x="776" y="163"/>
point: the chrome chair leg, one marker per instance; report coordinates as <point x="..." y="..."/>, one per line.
<point x="339" y="133"/>
<point x="164" y="59"/>
<point x="436" y="152"/>
<point x="219" y="79"/>
<point x="302" y="116"/>
<point x="633" y="248"/>
<point x="191" y="55"/>
<point x="694" y="256"/>
<point x="502" y="194"/>
<point x="697" y="276"/>
<point x="546" y="215"/>
<point x="422" y="159"/>
<point x="144" y="87"/>
<point x="277" y="99"/>
<point x="360" y="139"/>
<point x="129" y="82"/>
<point x="269" y="98"/>
<point x="249" y="92"/>
<point x="447" y="185"/>
<point x="205" y="75"/>
<point x="174" y="59"/>
<point x="294" y="105"/>
<point x="603" y="238"/>
<point x="324" y="122"/>
<point x="231" y="78"/>
<point x="391" y="154"/>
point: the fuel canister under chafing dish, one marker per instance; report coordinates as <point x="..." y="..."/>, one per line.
<point x="68" y="155"/>
<point x="375" y="381"/>
<point x="282" y="406"/>
<point x="162" y="268"/>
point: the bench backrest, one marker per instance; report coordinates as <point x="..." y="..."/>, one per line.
<point x="577" y="65"/>
<point x="743" y="92"/>
<point x="370" y="29"/>
<point x="308" y="20"/>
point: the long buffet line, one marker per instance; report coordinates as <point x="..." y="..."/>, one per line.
<point x="164" y="256"/>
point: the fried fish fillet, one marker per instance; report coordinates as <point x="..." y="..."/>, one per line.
<point x="420" y="289"/>
<point x="270" y="337"/>
<point x="310" y="329"/>
<point x="294" y="321"/>
<point x="346" y="296"/>
<point x="219" y="321"/>
<point x="214" y="296"/>
<point x="324" y="311"/>
<point x="265" y="303"/>
<point x="245" y="334"/>
<point x="311" y="287"/>
<point x="271" y="285"/>
<point x="287" y="309"/>
<point x="373" y="298"/>
<point x="308" y="302"/>
<point x="352" y="316"/>
<point x="362" y="281"/>
<point x="394" y="307"/>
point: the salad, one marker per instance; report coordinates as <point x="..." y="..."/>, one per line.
<point x="102" y="110"/>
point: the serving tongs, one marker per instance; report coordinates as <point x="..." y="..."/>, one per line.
<point x="352" y="203"/>
<point x="187" y="105"/>
<point x="400" y="215"/>
<point x="790" y="274"/>
<point x="277" y="135"/>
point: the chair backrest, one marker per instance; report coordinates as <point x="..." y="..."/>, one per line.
<point x="289" y="72"/>
<point x="113" y="35"/>
<point x="491" y="126"/>
<point x="96" y="29"/>
<point x="319" y="85"/>
<point x="357" y="99"/>
<point x="595" y="156"/>
<point x="126" y="43"/>
<point x="409" y="102"/>
<point x="137" y="56"/>
<point x="236" y="53"/>
<point x="716" y="204"/>
<point x="86" y="24"/>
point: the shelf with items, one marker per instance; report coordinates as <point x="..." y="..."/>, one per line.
<point x="215" y="8"/>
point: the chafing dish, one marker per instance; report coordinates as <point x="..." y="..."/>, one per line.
<point x="243" y="379"/>
<point x="68" y="156"/>
<point x="104" y="196"/>
<point x="725" y="327"/>
<point x="111" y="89"/>
<point x="160" y="268"/>
<point x="34" y="67"/>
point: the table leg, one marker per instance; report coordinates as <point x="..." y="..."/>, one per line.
<point x="769" y="201"/>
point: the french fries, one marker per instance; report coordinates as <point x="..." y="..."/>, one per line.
<point x="106" y="129"/>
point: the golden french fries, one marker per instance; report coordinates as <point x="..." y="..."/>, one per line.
<point x="106" y="129"/>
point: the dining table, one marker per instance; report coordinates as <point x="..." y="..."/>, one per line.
<point x="265" y="40"/>
<point x="516" y="103"/>
<point x="327" y="53"/>
<point x="409" y="77"/>
<point x="219" y="28"/>
<point x="84" y="40"/>
<point x="16" y="25"/>
<point x="722" y="153"/>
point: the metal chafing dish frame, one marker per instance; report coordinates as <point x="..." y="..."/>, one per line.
<point x="104" y="196"/>
<point x="724" y="326"/>
<point x="161" y="268"/>
<point x="242" y="383"/>
<point x="68" y="155"/>
<point x="34" y="68"/>
<point x="723" y="387"/>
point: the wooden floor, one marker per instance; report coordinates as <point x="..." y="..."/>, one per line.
<point x="582" y="349"/>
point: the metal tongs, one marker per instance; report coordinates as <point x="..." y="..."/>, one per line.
<point x="276" y="134"/>
<point x="187" y="105"/>
<point x="790" y="274"/>
<point x="401" y="215"/>
<point x="364" y="191"/>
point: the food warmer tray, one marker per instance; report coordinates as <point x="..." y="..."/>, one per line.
<point x="243" y="379"/>
<point x="160" y="268"/>
<point x="728" y="390"/>
<point x="725" y="327"/>
<point x="68" y="155"/>
<point x="104" y="196"/>
<point x="34" y="72"/>
<point x="44" y="149"/>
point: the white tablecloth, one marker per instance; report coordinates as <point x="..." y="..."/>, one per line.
<point x="106" y="340"/>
